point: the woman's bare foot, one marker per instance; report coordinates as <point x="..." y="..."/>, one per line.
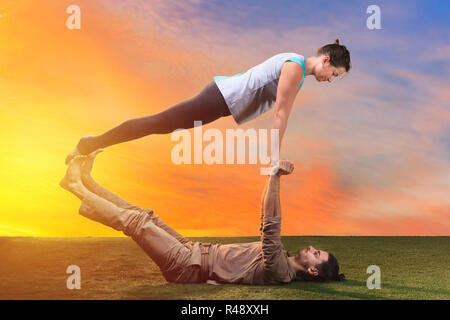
<point x="72" y="180"/>
<point x="76" y="152"/>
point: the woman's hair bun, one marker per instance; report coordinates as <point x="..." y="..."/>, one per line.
<point x="336" y="41"/>
<point x="340" y="277"/>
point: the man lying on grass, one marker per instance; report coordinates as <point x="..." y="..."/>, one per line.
<point x="183" y="261"/>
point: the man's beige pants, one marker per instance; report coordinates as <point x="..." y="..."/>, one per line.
<point x="167" y="248"/>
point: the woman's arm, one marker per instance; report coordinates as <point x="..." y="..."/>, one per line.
<point x="290" y="77"/>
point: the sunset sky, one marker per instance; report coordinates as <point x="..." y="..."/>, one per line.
<point x="371" y="151"/>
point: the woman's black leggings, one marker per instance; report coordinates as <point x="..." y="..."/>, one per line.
<point x="207" y="106"/>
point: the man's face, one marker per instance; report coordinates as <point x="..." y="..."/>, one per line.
<point x="327" y="72"/>
<point x="310" y="258"/>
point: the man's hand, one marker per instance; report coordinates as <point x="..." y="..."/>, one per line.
<point x="285" y="167"/>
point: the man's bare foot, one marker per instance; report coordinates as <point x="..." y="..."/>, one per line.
<point x="76" y="152"/>
<point x="86" y="168"/>
<point x="72" y="180"/>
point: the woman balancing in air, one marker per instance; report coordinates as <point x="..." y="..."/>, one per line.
<point x="245" y="96"/>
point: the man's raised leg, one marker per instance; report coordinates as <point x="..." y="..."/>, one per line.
<point x="166" y="251"/>
<point x="96" y="188"/>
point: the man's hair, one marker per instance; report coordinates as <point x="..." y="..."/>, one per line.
<point x="339" y="55"/>
<point x="328" y="271"/>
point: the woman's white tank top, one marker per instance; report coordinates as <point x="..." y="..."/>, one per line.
<point x="253" y="92"/>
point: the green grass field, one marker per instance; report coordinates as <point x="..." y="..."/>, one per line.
<point x="116" y="268"/>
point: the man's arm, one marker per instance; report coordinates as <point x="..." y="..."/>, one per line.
<point x="271" y="195"/>
<point x="271" y="216"/>
<point x="271" y="201"/>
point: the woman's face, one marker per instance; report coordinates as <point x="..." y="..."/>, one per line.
<point x="324" y="71"/>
